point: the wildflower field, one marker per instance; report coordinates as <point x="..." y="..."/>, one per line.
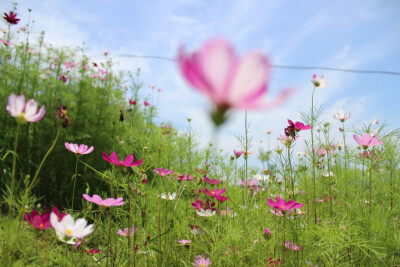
<point x="88" y="178"/>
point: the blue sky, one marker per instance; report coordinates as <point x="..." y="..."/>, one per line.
<point x="340" y="34"/>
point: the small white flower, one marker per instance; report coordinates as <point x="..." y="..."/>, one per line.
<point x="168" y="196"/>
<point x="374" y="122"/>
<point x="319" y="81"/>
<point x="205" y="213"/>
<point x="68" y="230"/>
<point x="341" y="115"/>
<point x="262" y="178"/>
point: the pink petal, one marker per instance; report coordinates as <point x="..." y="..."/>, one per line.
<point x="128" y="160"/>
<point x="38" y="116"/>
<point x="89" y="150"/>
<point x="115" y="159"/>
<point x="357" y="139"/>
<point x="105" y="157"/>
<point x="30" y="108"/>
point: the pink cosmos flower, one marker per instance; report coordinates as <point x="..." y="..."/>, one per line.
<point x="281" y="205"/>
<point x="186" y="177"/>
<point x="210" y="181"/>
<point x="213" y="193"/>
<point x="267" y="232"/>
<point x="287" y="140"/>
<point x="42" y="221"/>
<point x="296" y="127"/>
<point x="163" y="172"/>
<point x="128" y="161"/>
<point x="104" y="72"/>
<point x="221" y="198"/>
<point x="340" y="115"/>
<point x="367" y="141"/>
<point x="146" y="103"/>
<point x="237" y="153"/>
<point x="63" y="78"/>
<point x="5" y="42"/>
<point x="319" y="81"/>
<point x="11" y="18"/>
<point x="203" y="205"/>
<point x="201" y="261"/>
<point x="291" y="246"/>
<point x="93" y="251"/>
<point x="22" y="111"/>
<point x="70" y="65"/>
<point x="94" y="76"/>
<point x="78" y="150"/>
<point x="109" y="202"/>
<point x="229" y="81"/>
<point x="126" y="231"/>
<point x="249" y="183"/>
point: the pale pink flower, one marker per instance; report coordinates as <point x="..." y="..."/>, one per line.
<point x="109" y="202"/>
<point x="291" y="246"/>
<point x="229" y="81"/>
<point x="340" y="115"/>
<point x="126" y="231"/>
<point x="367" y="141"/>
<point x="22" y="111"/>
<point x="79" y="150"/>
<point x="201" y="261"/>
<point x="5" y="42"/>
<point x="319" y="81"/>
<point x="184" y="242"/>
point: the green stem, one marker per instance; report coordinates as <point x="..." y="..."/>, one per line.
<point x="73" y="192"/>
<point x="313" y="156"/>
<point x="14" y="168"/>
<point x="33" y="183"/>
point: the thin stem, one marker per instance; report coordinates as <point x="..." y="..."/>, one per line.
<point x="32" y="184"/>
<point x="313" y="156"/>
<point x="14" y="168"/>
<point x="73" y="192"/>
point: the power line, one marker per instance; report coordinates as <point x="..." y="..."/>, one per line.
<point x="297" y="67"/>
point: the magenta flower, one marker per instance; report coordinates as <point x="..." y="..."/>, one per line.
<point x="63" y="78"/>
<point x="267" y="232"/>
<point x="38" y="221"/>
<point x="367" y="141"/>
<point x="22" y="111"/>
<point x="11" y="18"/>
<point x="128" y="161"/>
<point x="319" y="81"/>
<point x="291" y="246"/>
<point x="163" y="172"/>
<point x="126" y="231"/>
<point x="201" y="261"/>
<point x="93" y="251"/>
<point x="210" y="181"/>
<point x="294" y="128"/>
<point x="213" y="193"/>
<point x="146" y="103"/>
<point x="109" y="202"/>
<point x="281" y="205"/>
<point x="229" y="81"/>
<point x="237" y="153"/>
<point x="186" y="177"/>
<point x="203" y="205"/>
<point x="78" y="150"/>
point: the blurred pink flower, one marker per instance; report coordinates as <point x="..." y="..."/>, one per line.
<point x="281" y="205"/>
<point x="163" y="172"/>
<point x="229" y="81"/>
<point x="78" y="150"/>
<point x="185" y="177"/>
<point x="38" y="221"/>
<point x="109" y="202"/>
<point x="146" y="103"/>
<point x="237" y="153"/>
<point x="291" y="246"/>
<point x="5" y="42"/>
<point x="128" y="161"/>
<point x="126" y="231"/>
<point x="319" y="81"/>
<point x="203" y="205"/>
<point x="184" y="242"/>
<point x="63" y="78"/>
<point x="201" y="261"/>
<point x="210" y="181"/>
<point x="267" y="232"/>
<point x="22" y="111"/>
<point x="11" y="18"/>
<point x="367" y="141"/>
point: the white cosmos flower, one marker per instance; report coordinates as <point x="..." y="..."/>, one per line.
<point x="205" y="213"/>
<point x="328" y="174"/>
<point x="168" y="196"/>
<point x="68" y="230"/>
<point x="262" y="178"/>
<point x="340" y="115"/>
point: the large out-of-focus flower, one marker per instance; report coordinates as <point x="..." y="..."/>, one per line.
<point x="22" y="111"/>
<point x="281" y="205"/>
<point x="367" y="141"/>
<point x="11" y="18"/>
<point x="341" y="115"/>
<point x="319" y="81"/>
<point x="5" y="42"/>
<point x="68" y="230"/>
<point x="78" y="150"/>
<point x="109" y="202"/>
<point x="128" y="161"/>
<point x="38" y="221"/>
<point x="229" y="81"/>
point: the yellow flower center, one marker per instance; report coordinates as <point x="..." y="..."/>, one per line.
<point x="41" y="225"/>
<point x="69" y="232"/>
<point x="283" y="207"/>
